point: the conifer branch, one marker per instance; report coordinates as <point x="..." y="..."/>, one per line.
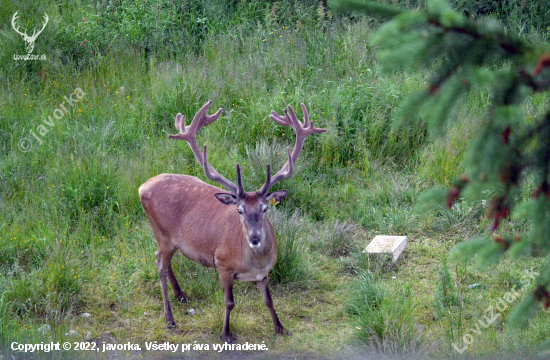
<point x="477" y="52"/>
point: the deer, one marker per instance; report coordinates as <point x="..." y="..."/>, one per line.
<point x="228" y="230"/>
<point x="29" y="39"/>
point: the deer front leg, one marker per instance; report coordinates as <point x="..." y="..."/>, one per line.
<point x="227" y="286"/>
<point x="163" y="264"/>
<point x="264" y="290"/>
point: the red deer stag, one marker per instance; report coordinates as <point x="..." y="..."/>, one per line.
<point x="192" y="216"/>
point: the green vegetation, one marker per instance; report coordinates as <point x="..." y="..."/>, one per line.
<point x="73" y="236"/>
<point x="510" y="155"/>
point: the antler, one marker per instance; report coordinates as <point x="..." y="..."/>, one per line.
<point x="15" y="26"/>
<point x="189" y="134"/>
<point x="302" y="131"/>
<point x="35" y="34"/>
<point x="213" y="175"/>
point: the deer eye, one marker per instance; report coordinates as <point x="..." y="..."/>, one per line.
<point x="240" y="211"/>
<point x="265" y="209"/>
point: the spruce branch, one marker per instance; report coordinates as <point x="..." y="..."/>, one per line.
<point x="507" y="148"/>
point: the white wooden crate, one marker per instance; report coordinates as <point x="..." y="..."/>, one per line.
<point x="387" y="244"/>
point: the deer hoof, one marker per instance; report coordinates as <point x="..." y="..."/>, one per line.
<point x="226" y="339"/>
<point x="172" y="325"/>
<point x="282" y="331"/>
<point x="182" y="297"/>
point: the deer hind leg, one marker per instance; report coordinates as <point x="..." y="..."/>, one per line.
<point x="226" y="279"/>
<point x="266" y="295"/>
<point x="165" y="269"/>
<point x="180" y="295"/>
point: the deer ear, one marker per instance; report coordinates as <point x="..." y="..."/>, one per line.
<point x="278" y="195"/>
<point x="227" y="199"/>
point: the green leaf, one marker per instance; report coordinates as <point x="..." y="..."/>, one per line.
<point x="439" y="107"/>
<point x="519" y="248"/>
<point x="407" y="112"/>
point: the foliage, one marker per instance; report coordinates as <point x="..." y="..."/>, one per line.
<point x="508" y="149"/>
<point x="520" y="16"/>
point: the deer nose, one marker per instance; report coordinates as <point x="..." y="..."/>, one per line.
<point x="255" y="240"/>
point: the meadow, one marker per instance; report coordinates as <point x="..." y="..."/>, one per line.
<point x="74" y="240"/>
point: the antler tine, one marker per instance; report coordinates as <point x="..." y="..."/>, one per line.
<point x="179" y="123"/>
<point x="286" y="172"/>
<point x="307" y="122"/>
<point x="213" y="175"/>
<point x="279" y="119"/>
<point x="267" y="183"/>
<point x="293" y="118"/>
<point x="302" y="131"/>
<point x="201" y="119"/>
<point x="189" y="134"/>
<point x="240" y="188"/>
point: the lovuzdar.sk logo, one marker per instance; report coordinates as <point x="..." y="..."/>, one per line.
<point x="29" y="40"/>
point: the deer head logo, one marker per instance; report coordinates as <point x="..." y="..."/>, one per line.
<point x="29" y="39"/>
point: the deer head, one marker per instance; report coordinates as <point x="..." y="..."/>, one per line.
<point x="29" y="39"/>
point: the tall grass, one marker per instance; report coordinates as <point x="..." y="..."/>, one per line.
<point x="291" y="267"/>
<point x="383" y="319"/>
<point x="335" y="238"/>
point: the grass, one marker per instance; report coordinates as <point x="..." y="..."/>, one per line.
<point x="74" y="239"/>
